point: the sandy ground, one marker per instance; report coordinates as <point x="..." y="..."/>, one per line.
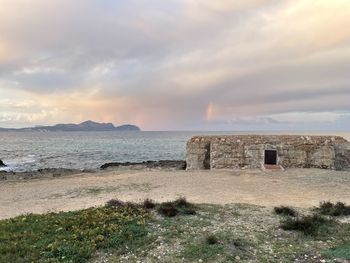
<point x="296" y="187"/>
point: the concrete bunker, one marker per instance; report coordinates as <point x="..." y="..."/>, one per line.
<point x="255" y="151"/>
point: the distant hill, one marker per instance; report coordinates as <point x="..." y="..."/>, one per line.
<point x="84" y="126"/>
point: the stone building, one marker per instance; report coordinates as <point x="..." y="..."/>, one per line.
<point x="267" y="151"/>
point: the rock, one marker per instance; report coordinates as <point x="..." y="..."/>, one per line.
<point x="2" y="164"/>
<point x="41" y="173"/>
<point x="162" y="164"/>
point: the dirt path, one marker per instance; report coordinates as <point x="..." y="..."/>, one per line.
<point x="296" y="187"/>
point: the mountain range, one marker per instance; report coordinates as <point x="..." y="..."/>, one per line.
<point x="84" y="126"/>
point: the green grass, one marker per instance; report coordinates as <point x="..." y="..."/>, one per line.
<point x="221" y="247"/>
<point x="202" y="250"/>
<point x="129" y="232"/>
<point x="70" y="236"/>
<point x="342" y="251"/>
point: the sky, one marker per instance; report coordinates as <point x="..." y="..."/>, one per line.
<point x="176" y="64"/>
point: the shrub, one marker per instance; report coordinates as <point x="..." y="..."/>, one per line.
<point x="309" y="225"/>
<point x="132" y="205"/>
<point x="167" y="209"/>
<point x="211" y="240"/>
<point x="184" y="207"/>
<point x="188" y="211"/>
<point x="149" y="204"/>
<point x="115" y="203"/>
<point x="338" y="209"/>
<point x="179" y="206"/>
<point x="181" y="202"/>
<point x="286" y="211"/>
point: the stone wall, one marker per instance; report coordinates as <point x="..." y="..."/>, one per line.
<point x="342" y="153"/>
<point x="198" y="153"/>
<point x="234" y="152"/>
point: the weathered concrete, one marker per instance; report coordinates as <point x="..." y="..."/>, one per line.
<point x="342" y="153"/>
<point x="238" y="151"/>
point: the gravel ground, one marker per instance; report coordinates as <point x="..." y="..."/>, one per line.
<point x="296" y="187"/>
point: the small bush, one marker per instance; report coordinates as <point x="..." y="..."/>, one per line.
<point x="338" y="209"/>
<point x="184" y="207"/>
<point x="132" y="205"/>
<point x="115" y="203"/>
<point x="286" y="211"/>
<point x="149" y="204"/>
<point x="309" y="225"/>
<point x="167" y="209"/>
<point x="182" y="202"/>
<point x="179" y="206"/>
<point x="188" y="211"/>
<point x="211" y="240"/>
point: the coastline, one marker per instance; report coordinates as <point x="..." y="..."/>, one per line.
<point x="167" y="165"/>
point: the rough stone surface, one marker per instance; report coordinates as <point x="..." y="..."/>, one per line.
<point x="248" y="151"/>
<point x="39" y="174"/>
<point x="198" y="152"/>
<point x="162" y="164"/>
<point x="2" y="163"/>
<point x="342" y="153"/>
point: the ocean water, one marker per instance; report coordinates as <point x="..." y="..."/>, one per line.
<point x="28" y="151"/>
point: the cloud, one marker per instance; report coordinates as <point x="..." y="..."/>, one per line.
<point x="159" y="64"/>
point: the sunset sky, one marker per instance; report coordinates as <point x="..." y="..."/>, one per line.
<point x="176" y="64"/>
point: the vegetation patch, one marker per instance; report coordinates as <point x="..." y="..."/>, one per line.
<point x="308" y="225"/>
<point x="220" y="247"/>
<point x="116" y="203"/>
<point x="331" y="209"/>
<point x="149" y="204"/>
<point x="70" y="236"/>
<point x="211" y="240"/>
<point x="285" y="211"/>
<point x="122" y="232"/>
<point x="178" y="207"/>
<point x="341" y="251"/>
<point x="202" y="251"/>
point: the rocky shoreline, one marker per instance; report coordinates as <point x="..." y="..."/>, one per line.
<point x="2" y="164"/>
<point x="159" y="165"/>
<point x="38" y="174"/>
<point x="58" y="172"/>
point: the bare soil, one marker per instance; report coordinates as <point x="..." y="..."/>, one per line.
<point x="296" y="187"/>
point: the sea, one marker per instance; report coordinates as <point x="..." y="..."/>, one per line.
<point x="29" y="151"/>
